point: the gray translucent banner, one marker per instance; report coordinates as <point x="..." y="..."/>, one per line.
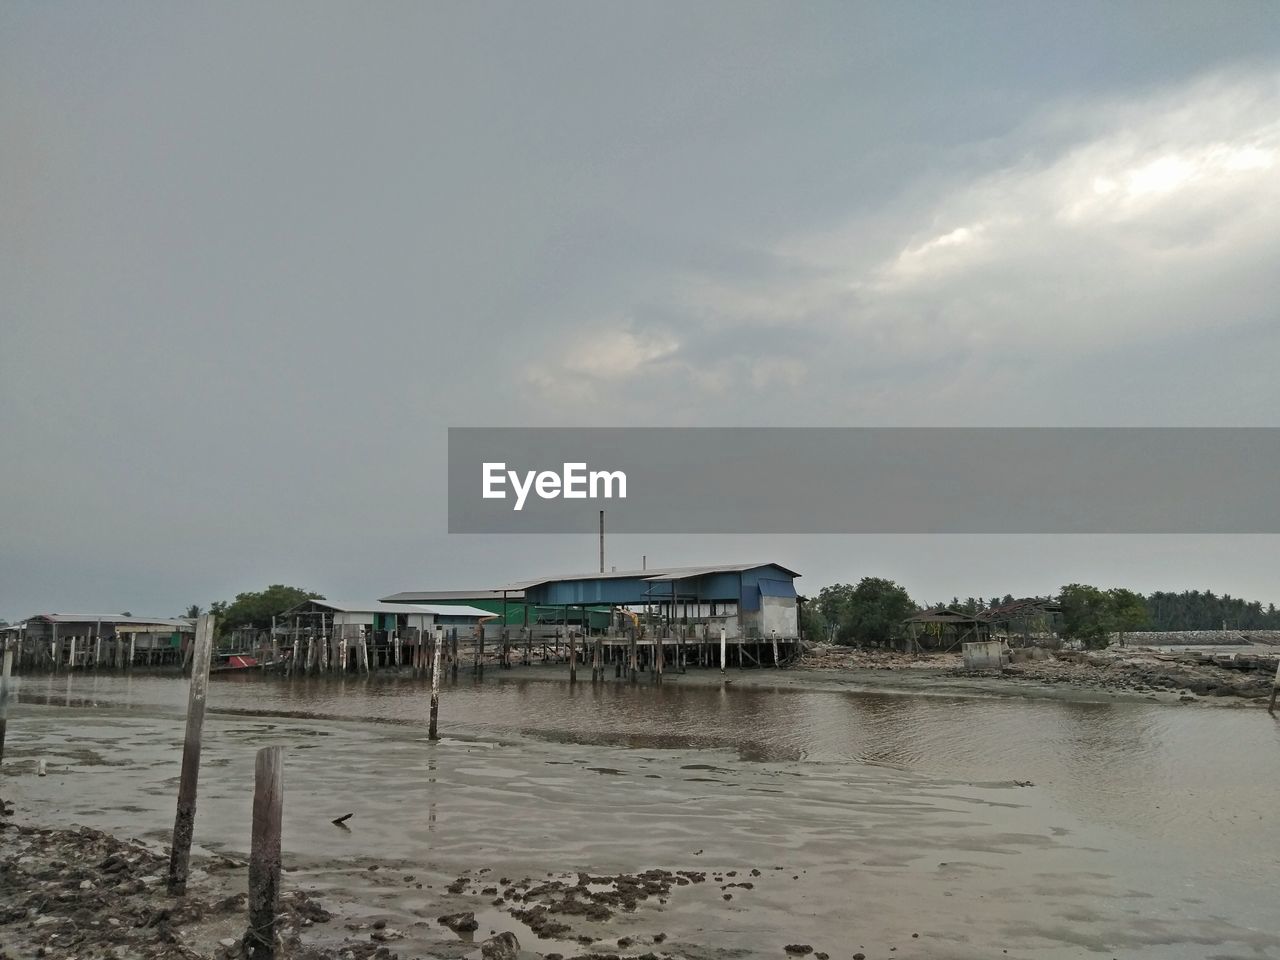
<point x="866" y="480"/>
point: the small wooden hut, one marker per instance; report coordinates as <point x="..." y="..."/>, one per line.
<point x="942" y="628"/>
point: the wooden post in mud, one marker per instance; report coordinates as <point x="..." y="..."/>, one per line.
<point x="364" y="652"/>
<point x="775" y="649"/>
<point x="1271" y="707"/>
<point x="133" y="641"/>
<point x="723" y="652"/>
<point x="453" y="656"/>
<point x="264" y="854"/>
<point x="97" y="651"/>
<point x="573" y="659"/>
<point x="633" y="665"/>
<point x="6" y="669"/>
<point x="597" y="672"/>
<point x="184" y="822"/>
<point x="432" y="730"/>
<point x="395" y="648"/>
<point x="660" y="655"/>
<point x="71" y="652"/>
<point x="480" y="650"/>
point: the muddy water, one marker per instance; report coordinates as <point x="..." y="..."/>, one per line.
<point x="1147" y="830"/>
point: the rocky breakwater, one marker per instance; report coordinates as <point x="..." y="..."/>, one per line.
<point x="1189" y="675"/>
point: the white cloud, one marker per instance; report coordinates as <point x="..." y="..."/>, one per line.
<point x="608" y="356"/>
<point x="1123" y="222"/>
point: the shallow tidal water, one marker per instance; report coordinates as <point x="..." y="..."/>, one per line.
<point x="1146" y="830"/>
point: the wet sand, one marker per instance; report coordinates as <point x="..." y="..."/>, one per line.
<point x="1044" y="828"/>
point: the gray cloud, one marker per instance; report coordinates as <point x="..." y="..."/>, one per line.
<point x="256" y="259"/>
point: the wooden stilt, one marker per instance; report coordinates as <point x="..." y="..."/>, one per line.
<point x="264" y="854"/>
<point x="184" y="821"/>
<point x="6" y="670"/>
<point x="433" y="731"/>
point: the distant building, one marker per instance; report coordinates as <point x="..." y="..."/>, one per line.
<point x="378" y="616"/>
<point x="87" y="639"/>
<point x="750" y="600"/>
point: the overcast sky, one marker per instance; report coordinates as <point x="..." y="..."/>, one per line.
<point x="256" y="258"/>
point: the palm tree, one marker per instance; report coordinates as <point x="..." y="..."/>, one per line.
<point x="193" y="611"/>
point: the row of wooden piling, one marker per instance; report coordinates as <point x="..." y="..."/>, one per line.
<point x="89" y="652"/>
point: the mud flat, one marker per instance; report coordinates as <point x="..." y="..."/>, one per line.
<point x="83" y="893"/>
<point x="1117" y="675"/>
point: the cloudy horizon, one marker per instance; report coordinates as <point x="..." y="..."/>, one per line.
<point x="257" y="260"/>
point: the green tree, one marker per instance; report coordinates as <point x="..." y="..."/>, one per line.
<point x="1126" y="611"/>
<point x="871" y="612"/>
<point x="193" y="611"/>
<point x="1085" y="614"/>
<point x="255" y="609"/>
<point x="832" y="601"/>
<point x="813" y="625"/>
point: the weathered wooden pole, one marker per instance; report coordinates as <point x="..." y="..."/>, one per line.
<point x="573" y="659"/>
<point x="723" y="651"/>
<point x="264" y="854"/>
<point x="633" y="658"/>
<point x="453" y="656"/>
<point x="6" y="669"/>
<point x="1271" y="707"/>
<point x="432" y="730"/>
<point x="184" y="822"/>
<point x="133" y="639"/>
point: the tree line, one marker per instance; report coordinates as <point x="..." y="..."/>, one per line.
<point x="254" y="608"/>
<point x="873" y="611"/>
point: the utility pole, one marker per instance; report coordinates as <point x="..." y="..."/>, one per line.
<point x="602" y="541"/>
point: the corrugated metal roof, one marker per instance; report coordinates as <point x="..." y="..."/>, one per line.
<point x="942" y="615"/>
<point x="111" y="618"/>
<point x="654" y="573"/>
<point x="417" y="596"/>
<point x="376" y="606"/>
